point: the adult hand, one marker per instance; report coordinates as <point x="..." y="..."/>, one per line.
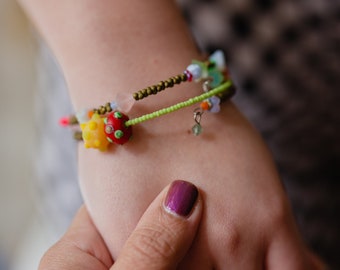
<point x="161" y="239"/>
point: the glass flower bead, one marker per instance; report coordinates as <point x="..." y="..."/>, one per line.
<point x="195" y="70"/>
<point x="218" y="58"/>
<point x="216" y="77"/>
<point x="125" y="101"/>
<point x="82" y="116"/>
<point x="215" y="104"/>
<point x="113" y="105"/>
<point x="93" y="133"/>
<point x="204" y="68"/>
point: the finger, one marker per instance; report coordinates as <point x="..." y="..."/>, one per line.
<point x="80" y="248"/>
<point x="166" y="230"/>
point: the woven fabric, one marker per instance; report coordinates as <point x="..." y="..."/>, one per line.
<point x="284" y="57"/>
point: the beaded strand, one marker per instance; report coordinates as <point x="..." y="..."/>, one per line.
<point x="222" y="88"/>
<point x="143" y="93"/>
<point x="162" y="85"/>
<point x="108" y="124"/>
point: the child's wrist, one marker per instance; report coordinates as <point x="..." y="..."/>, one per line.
<point x="109" y="123"/>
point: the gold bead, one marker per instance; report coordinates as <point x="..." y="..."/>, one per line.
<point x="184" y="77"/>
<point x="177" y="79"/>
<point x="170" y="82"/>
<point x="73" y="120"/>
<point x="108" y="108"/>
<point x="102" y="110"/>
<point x="135" y="96"/>
<point x="140" y="95"/>
<point x="149" y="91"/>
<point x="78" y="136"/>
<point x="161" y="85"/>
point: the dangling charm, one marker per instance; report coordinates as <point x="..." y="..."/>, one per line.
<point x="197" y="128"/>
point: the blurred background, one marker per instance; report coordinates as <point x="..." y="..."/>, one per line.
<point x="38" y="181"/>
<point x="18" y="209"/>
<point x="22" y="236"/>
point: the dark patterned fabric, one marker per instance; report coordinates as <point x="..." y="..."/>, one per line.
<point x="285" y="58"/>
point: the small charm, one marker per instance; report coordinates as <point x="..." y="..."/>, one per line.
<point x="197" y="128"/>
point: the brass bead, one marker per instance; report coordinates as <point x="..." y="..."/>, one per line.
<point x="161" y="85"/>
<point x="184" y="77"/>
<point x="135" y="96"/>
<point x="78" y="135"/>
<point x="108" y="108"/>
<point x="153" y="90"/>
<point x="177" y="79"/>
<point x="170" y="82"/>
<point x="144" y="92"/>
<point x="140" y="95"/>
<point x="73" y="120"/>
<point x="102" y="110"/>
<point x="149" y="91"/>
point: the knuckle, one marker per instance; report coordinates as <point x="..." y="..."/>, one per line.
<point x="154" y="242"/>
<point x="232" y="241"/>
<point x="50" y="258"/>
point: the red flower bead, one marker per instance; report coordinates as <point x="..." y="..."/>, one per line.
<point x="115" y="128"/>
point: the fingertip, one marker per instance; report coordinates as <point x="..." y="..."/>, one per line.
<point x="166" y="230"/>
<point x="181" y="198"/>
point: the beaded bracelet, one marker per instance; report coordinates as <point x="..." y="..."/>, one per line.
<point x="109" y="123"/>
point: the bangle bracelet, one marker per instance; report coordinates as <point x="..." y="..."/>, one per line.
<point x="109" y="123"/>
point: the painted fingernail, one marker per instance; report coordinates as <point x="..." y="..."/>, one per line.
<point x="181" y="198"/>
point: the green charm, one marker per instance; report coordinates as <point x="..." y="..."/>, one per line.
<point x="197" y="129"/>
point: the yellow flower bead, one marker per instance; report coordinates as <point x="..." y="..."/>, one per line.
<point x="93" y="133"/>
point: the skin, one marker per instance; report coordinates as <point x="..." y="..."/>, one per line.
<point x="104" y="47"/>
<point x="82" y="247"/>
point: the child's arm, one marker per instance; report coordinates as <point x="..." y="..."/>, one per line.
<point x="105" y="47"/>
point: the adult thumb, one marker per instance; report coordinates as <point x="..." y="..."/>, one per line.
<point x="166" y="230"/>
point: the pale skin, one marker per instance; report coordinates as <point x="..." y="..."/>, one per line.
<point x="105" y="47"/>
<point x="160" y="241"/>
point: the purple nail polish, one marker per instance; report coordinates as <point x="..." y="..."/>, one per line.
<point x="181" y="197"/>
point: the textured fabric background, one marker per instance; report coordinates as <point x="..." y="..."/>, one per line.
<point x="284" y="57"/>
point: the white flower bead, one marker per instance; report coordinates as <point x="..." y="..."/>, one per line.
<point x="82" y="116"/>
<point x="218" y="58"/>
<point x="195" y="70"/>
